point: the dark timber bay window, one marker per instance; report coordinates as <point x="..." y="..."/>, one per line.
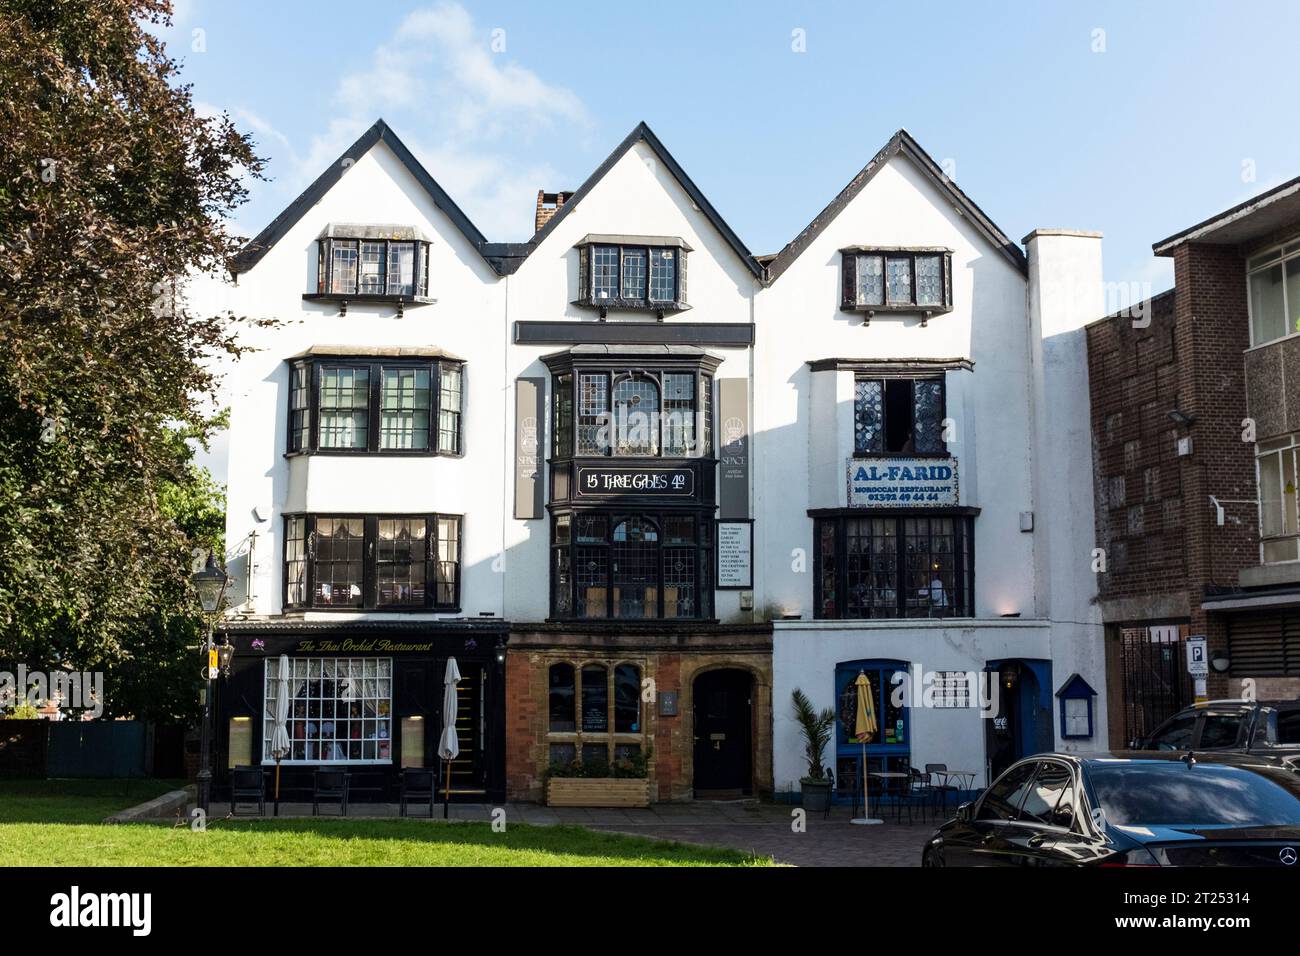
<point x="383" y="562"/>
<point x="894" y="566"/>
<point x="372" y="263"/>
<point x="638" y="414"/>
<point x="635" y="566"/>
<point x="896" y="280"/>
<point x="395" y="406"/>
<point x="898" y="416"/>
<point x="632" y="272"/>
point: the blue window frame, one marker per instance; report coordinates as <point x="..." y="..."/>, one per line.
<point x="891" y="749"/>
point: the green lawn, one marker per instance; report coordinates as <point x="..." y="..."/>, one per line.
<point x="53" y="823"/>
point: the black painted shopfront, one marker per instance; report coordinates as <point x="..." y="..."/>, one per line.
<point x="365" y="697"/>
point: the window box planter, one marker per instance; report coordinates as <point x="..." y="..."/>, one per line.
<point x="598" y="792"/>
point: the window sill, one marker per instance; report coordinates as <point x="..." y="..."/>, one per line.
<point x="937" y="455"/>
<point x="368" y="298"/>
<point x="367" y="453"/>
<point x="926" y="312"/>
<point x="631" y="305"/>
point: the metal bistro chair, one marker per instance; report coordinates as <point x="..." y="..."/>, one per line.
<point x="247" y="785"/>
<point x="922" y="791"/>
<point x="418" y="786"/>
<point x="331" y="785"/>
<point x="941" y="790"/>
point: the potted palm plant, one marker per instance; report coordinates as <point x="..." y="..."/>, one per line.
<point x="816" y="731"/>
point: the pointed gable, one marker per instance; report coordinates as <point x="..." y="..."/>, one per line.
<point x="264" y="241"/>
<point x="900" y="144"/>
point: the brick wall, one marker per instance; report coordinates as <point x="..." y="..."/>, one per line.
<point x="1212" y="335"/>
<point x="673" y="660"/>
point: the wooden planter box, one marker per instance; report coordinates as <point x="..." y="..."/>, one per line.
<point x="597" y="792"/>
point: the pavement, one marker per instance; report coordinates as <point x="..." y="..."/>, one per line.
<point x="748" y="825"/>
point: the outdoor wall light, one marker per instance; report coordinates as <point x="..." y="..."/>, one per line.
<point x="210" y="583"/>
<point x="1220" y="661"/>
<point x="1009" y="675"/>
<point x="1181" y="418"/>
<point x="225" y="652"/>
<point x="501" y="652"/>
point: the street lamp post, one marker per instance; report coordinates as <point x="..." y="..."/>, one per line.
<point x="210" y="583"/>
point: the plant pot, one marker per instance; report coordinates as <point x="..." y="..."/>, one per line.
<point x="598" y="792"/>
<point x="816" y="795"/>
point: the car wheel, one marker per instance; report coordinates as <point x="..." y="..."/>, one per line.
<point x="933" y="856"/>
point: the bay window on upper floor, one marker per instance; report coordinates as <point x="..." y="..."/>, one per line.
<point x="372" y="263"/>
<point x="370" y="405"/>
<point x="1279" y="519"/>
<point x="890" y="279"/>
<point x="632" y="272"/>
<point x="654" y="413"/>
<point x="372" y="562"/>
<point x="1273" y="284"/>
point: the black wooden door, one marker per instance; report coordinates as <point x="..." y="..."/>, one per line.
<point x="723" y="733"/>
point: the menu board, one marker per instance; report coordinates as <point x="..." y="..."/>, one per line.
<point x="735" y="554"/>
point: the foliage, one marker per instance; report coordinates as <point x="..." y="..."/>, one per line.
<point x="112" y="191"/>
<point x="635" y="767"/>
<point x="815" y="728"/>
<point x="23" y="710"/>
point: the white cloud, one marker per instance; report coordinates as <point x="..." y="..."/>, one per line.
<point x="468" y="113"/>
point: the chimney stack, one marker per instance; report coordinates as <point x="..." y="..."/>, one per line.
<point x="548" y="204"/>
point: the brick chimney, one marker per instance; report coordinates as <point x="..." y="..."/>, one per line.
<point x="548" y="204"/>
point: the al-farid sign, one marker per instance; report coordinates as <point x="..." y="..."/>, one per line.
<point x="902" y="482"/>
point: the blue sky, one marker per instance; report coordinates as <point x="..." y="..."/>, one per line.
<point x="1135" y="119"/>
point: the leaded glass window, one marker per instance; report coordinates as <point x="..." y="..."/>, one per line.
<point x="679" y="413"/>
<point x="448" y="567"/>
<point x="344" y="407"/>
<point x="343" y="271"/>
<point x="401" y="562"/>
<point x="338" y="565"/>
<point x="593" y="408"/>
<point x="563" y="397"/>
<point x="634" y="273"/>
<point x="868" y="413"/>
<point x="871" y="280"/>
<point x="295" y="562"/>
<point x="927" y="428"/>
<point x="898" y="279"/>
<point x="929" y="280"/>
<point x="450" y="408"/>
<point x="604" y="272"/>
<point x="897" y="566"/>
<point x="340" y="709"/>
<point x="663" y="275"/>
<point x="404" y="408"/>
<point x="299" y="407"/>
<point x="636" y="569"/>
<point x="370" y="278"/>
<point x="401" y="268"/>
<point x="636" y="416"/>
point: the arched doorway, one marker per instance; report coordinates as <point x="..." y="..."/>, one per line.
<point x="724" y="734"/>
<point x="1023" y="723"/>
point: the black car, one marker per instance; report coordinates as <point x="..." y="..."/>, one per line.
<point x="1154" y="808"/>
<point x="1261" y="727"/>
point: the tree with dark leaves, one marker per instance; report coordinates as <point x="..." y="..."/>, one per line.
<point x="112" y="190"/>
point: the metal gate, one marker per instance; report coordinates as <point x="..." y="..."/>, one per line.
<point x="1153" y="663"/>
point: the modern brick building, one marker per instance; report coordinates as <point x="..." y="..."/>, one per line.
<point x="1194" y="458"/>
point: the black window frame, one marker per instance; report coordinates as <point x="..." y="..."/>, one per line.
<point x="325" y="290"/>
<point x="961" y="596"/>
<point x="370" y="562"/>
<point x="566" y="411"/>
<point x="912" y="379"/>
<point x="375" y="367"/>
<point x="587" y="277"/>
<point x="850" y="263"/>
<point x="565" y="552"/>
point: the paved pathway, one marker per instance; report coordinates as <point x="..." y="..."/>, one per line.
<point x="750" y="826"/>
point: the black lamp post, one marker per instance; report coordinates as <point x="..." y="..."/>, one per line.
<point x="210" y="583"/>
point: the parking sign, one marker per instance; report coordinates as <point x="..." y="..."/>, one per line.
<point x="1198" y="664"/>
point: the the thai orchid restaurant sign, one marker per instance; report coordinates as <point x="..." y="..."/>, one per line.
<point x="659" y="482"/>
<point x="902" y="482"/>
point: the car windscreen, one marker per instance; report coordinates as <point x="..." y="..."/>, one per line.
<point x="1171" y="793"/>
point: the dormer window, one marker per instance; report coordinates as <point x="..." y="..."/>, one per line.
<point x="632" y="273"/>
<point x="357" y="263"/>
<point x="886" y="279"/>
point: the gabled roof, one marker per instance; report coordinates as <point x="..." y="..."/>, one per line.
<point x="900" y="143"/>
<point x="643" y="133"/>
<point x="261" y="244"/>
